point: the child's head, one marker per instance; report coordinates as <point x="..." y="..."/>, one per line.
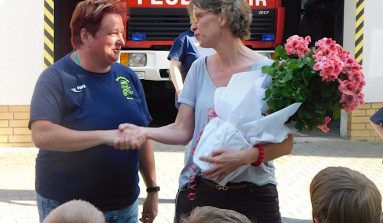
<point x="342" y="195"/>
<point x="215" y="215"/>
<point x="75" y="211"/>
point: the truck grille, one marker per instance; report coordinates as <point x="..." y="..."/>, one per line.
<point x="263" y="22"/>
<point x="167" y="24"/>
<point x="158" y="23"/>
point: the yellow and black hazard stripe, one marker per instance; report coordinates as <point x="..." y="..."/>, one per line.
<point x="359" y="29"/>
<point x="48" y="32"/>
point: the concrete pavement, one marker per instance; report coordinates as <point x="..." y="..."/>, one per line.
<point x="294" y="173"/>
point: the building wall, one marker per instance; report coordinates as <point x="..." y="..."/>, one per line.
<point x="21" y="54"/>
<point x="356" y="126"/>
<point x="21" y="59"/>
<point x="13" y="126"/>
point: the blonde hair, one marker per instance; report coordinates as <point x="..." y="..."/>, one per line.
<point x="342" y="195"/>
<point x="75" y="211"/>
<point x="209" y="214"/>
<point x="237" y="12"/>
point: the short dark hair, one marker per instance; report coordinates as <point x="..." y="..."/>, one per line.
<point x="89" y="13"/>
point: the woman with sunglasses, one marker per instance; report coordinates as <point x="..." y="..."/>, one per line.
<point x="221" y="25"/>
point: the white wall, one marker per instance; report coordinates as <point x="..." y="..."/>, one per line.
<point x="372" y="47"/>
<point x="373" y="50"/>
<point x="349" y="25"/>
<point x="21" y="49"/>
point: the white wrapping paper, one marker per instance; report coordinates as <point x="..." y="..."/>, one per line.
<point x="240" y="123"/>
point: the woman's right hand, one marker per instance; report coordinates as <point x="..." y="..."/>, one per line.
<point x="131" y="137"/>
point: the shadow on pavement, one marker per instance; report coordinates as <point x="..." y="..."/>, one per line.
<point x="160" y="201"/>
<point x="19" y="197"/>
<point x="336" y="147"/>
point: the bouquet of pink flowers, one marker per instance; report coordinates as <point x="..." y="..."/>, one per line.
<point x="326" y="79"/>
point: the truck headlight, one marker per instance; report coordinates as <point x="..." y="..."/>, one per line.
<point x="133" y="59"/>
<point x="137" y="60"/>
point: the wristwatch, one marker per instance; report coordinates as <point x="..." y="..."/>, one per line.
<point x="152" y="189"/>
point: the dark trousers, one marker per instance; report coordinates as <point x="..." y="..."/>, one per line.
<point x="259" y="203"/>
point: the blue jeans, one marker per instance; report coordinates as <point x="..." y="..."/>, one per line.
<point x="124" y="215"/>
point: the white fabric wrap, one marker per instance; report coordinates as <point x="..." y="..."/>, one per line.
<point x="239" y="123"/>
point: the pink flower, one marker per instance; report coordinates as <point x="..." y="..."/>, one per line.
<point x="325" y="43"/>
<point x="297" y="45"/>
<point x="351" y="102"/>
<point x="350" y="64"/>
<point x="329" y="66"/>
<point x="326" y="78"/>
<point x="323" y="127"/>
<point x="331" y="60"/>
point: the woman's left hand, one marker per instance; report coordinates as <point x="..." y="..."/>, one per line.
<point x="226" y="161"/>
<point x="150" y="208"/>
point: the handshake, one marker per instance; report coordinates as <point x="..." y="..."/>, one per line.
<point x="127" y="136"/>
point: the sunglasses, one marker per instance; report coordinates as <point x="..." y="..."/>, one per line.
<point x="197" y="16"/>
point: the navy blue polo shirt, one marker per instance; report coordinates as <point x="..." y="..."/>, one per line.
<point x="377" y="118"/>
<point x="67" y="95"/>
<point x="184" y="50"/>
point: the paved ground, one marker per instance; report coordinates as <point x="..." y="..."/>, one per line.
<point x="294" y="173"/>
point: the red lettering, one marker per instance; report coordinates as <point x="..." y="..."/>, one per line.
<point x="183" y="3"/>
<point x="257" y="3"/>
<point x="162" y="2"/>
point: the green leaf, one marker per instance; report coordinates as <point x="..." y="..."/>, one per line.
<point x="336" y="113"/>
<point x="286" y="78"/>
<point x="280" y="51"/>
<point x="266" y="69"/>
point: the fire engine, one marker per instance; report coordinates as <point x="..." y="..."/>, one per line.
<point x="152" y="25"/>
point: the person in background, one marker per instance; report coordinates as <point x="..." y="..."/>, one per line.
<point x="76" y="108"/>
<point x="221" y="25"/>
<point x="185" y="50"/>
<point x="377" y="122"/>
<point x="342" y="195"/>
<point x="75" y="211"/>
<point x="208" y="214"/>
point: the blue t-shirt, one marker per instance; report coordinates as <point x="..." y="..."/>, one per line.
<point x="67" y="95"/>
<point x="377" y="118"/>
<point x="184" y="50"/>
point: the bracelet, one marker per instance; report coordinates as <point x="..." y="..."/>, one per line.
<point x="261" y="156"/>
<point x="152" y="189"/>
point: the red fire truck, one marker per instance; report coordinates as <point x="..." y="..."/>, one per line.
<point x="152" y="25"/>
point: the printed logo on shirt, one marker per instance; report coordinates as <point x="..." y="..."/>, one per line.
<point x="126" y="90"/>
<point x="78" y="88"/>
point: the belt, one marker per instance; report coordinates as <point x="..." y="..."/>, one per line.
<point x="229" y="186"/>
